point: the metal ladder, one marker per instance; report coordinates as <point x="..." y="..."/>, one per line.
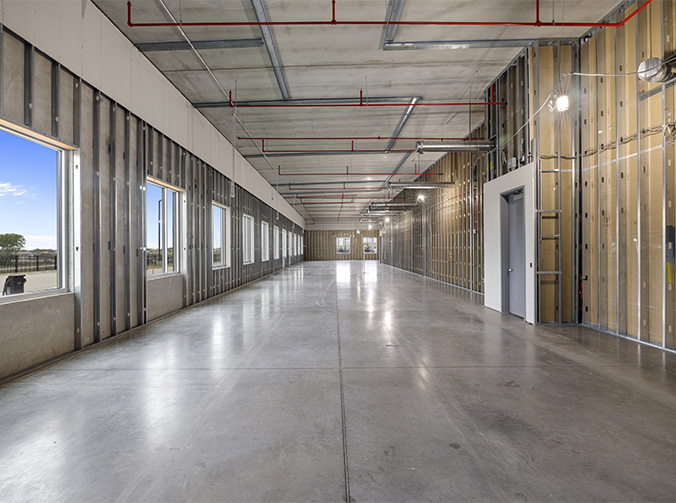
<point x="544" y="214"/>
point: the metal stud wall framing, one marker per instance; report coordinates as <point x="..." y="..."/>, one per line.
<point x="629" y="180"/>
<point x="442" y="237"/>
<point x="116" y="150"/>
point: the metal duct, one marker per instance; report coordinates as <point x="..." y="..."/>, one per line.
<point x="455" y="146"/>
<point x="655" y="70"/>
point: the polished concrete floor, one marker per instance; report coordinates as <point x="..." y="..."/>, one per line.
<point x="335" y="380"/>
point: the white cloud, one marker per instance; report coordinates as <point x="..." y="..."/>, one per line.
<point x="8" y="189"/>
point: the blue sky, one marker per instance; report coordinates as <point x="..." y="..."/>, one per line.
<point x="28" y="191"/>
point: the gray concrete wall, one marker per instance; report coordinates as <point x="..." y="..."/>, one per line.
<point x="34" y="331"/>
<point x="164" y="295"/>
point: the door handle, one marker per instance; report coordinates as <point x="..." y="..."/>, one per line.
<point x="510" y="270"/>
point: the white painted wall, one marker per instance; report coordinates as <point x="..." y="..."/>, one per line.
<point x="494" y="245"/>
<point x="76" y="34"/>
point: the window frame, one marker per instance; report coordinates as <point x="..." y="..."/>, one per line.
<point x="177" y="219"/>
<point x="347" y="241"/>
<point x="67" y="213"/>
<point x="248" y="229"/>
<point x="285" y="238"/>
<point x="226" y="238"/>
<point x="265" y="241"/>
<point x="368" y="239"/>
<point x="275" y="239"/>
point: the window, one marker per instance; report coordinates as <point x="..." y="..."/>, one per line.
<point x="301" y="245"/>
<point x="371" y="245"/>
<point x="265" y="241"/>
<point x="284" y="243"/>
<point x="162" y="228"/>
<point x="221" y="235"/>
<point x="248" y="239"/>
<point x="290" y="244"/>
<point x="31" y="195"/>
<point x="276" y="242"/>
<point x="295" y="245"/>
<point x="342" y="245"/>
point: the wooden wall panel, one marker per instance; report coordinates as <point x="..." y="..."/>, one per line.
<point x="629" y="155"/>
<point x="321" y="245"/>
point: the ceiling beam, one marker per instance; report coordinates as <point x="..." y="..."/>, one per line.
<point x="371" y="100"/>
<point x="262" y="17"/>
<point x="393" y="15"/>
<point x="396" y="168"/>
<point x="200" y="45"/>
<point x="402" y="123"/>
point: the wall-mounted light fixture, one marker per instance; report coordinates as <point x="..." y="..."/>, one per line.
<point x="558" y="102"/>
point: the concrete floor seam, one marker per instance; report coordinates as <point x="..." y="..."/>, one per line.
<point x="346" y="464"/>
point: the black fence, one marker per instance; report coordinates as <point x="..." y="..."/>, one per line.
<point x="27" y="263"/>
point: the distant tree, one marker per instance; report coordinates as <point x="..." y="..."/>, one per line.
<point x="10" y="244"/>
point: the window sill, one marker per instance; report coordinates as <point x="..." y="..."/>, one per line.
<point x="219" y="267"/>
<point x="52" y="292"/>
<point x="163" y="275"/>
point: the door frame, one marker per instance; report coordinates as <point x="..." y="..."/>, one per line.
<point x="496" y="239"/>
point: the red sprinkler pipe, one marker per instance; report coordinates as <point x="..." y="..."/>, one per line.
<point x="334" y="22"/>
<point x="385" y="198"/>
<point x="337" y="151"/>
<point x="332" y="203"/>
<point x="331" y="138"/>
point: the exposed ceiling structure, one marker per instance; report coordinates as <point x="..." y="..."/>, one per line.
<point x="328" y="98"/>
